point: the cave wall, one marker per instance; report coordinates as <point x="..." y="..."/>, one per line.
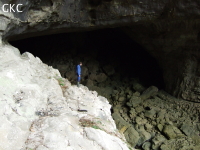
<point x="168" y="29"/>
<point x="176" y="47"/>
<point x="105" y="54"/>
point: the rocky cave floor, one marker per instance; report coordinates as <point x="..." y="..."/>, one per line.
<point x="149" y="118"/>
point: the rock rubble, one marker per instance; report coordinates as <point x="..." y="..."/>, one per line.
<point x="149" y="118"/>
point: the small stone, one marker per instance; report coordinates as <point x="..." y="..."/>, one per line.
<point x="121" y="99"/>
<point x="160" y="127"/>
<point x="153" y="123"/>
<point x="148" y="126"/>
<point x="150" y="113"/>
<point x="138" y="120"/>
<point x="136" y="94"/>
<point x="121" y="111"/>
<point x="139" y="109"/>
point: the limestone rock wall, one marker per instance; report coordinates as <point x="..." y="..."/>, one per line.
<point x="175" y="45"/>
<point x="41" y="110"/>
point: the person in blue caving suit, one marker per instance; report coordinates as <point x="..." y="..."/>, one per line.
<point x="78" y="72"/>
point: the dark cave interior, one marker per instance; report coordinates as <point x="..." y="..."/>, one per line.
<point x="106" y="46"/>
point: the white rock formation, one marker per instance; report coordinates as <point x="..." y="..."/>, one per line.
<point x="37" y="114"/>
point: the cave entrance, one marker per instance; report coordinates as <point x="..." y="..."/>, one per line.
<point x="106" y="48"/>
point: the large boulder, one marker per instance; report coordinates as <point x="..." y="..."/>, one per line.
<point x="172" y="132"/>
<point x="132" y="136"/>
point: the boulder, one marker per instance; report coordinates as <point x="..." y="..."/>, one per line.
<point x="144" y="135"/>
<point x="140" y="121"/>
<point x="150" y="113"/>
<point x="130" y="134"/>
<point x="62" y="69"/>
<point x="157" y="141"/>
<point x="121" y="99"/>
<point x="146" y="146"/>
<point x="138" y="87"/>
<point x="101" y="77"/>
<point x="148" y="126"/>
<point x="172" y="132"/>
<point x="161" y="114"/>
<point x="89" y="83"/>
<point x="92" y="77"/>
<point x="92" y="66"/>
<point x="134" y="101"/>
<point x="160" y="127"/>
<point x="84" y="71"/>
<point x="71" y="76"/>
<point x="109" y="70"/>
<point x="190" y="132"/>
<point x="151" y="91"/>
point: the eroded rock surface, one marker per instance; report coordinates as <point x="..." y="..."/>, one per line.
<point x="41" y="110"/>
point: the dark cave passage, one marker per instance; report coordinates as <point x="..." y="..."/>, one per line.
<point x="106" y="46"/>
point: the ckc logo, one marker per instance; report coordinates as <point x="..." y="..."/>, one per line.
<point x="11" y="8"/>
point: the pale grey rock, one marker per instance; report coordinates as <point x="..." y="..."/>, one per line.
<point x="37" y="112"/>
<point x="106" y="143"/>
